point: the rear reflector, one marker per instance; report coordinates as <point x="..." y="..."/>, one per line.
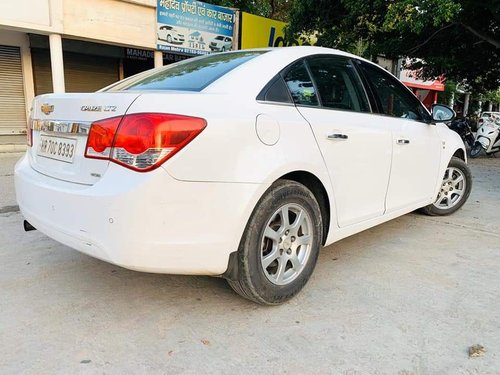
<point x="29" y="133"/>
<point x="141" y="141"/>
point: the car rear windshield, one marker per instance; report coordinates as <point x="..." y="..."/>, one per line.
<point x="188" y="75"/>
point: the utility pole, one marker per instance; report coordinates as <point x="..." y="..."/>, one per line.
<point x="466" y="104"/>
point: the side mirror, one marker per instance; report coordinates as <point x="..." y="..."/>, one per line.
<point x="442" y="113"/>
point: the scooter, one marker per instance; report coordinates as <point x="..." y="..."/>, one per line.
<point x="462" y="127"/>
<point x="487" y="138"/>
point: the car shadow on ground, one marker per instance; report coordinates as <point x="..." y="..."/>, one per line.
<point x="79" y="277"/>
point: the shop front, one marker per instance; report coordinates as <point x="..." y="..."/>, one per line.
<point x="15" y="78"/>
<point x="426" y="91"/>
<point x="87" y="66"/>
<point x="12" y="98"/>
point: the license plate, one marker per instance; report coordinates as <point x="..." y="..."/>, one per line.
<point x="58" y="148"/>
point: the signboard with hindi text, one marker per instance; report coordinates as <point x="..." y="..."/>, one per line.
<point x="194" y="27"/>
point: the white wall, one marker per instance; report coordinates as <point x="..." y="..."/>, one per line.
<point x="117" y="22"/>
<point x="42" y="15"/>
<point x="127" y="22"/>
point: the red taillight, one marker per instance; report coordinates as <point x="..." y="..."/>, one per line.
<point x="101" y="137"/>
<point x="141" y="141"/>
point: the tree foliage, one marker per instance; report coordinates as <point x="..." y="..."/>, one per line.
<point x="275" y="9"/>
<point x="492" y="96"/>
<point x="459" y="39"/>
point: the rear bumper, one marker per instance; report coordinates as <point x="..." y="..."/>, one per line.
<point x="142" y="221"/>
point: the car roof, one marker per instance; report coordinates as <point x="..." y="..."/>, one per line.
<point x="303" y="51"/>
<point x="253" y="77"/>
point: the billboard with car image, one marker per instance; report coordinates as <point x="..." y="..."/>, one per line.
<point x="194" y="27"/>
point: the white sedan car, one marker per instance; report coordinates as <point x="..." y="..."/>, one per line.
<point x="170" y="35"/>
<point x="239" y="164"/>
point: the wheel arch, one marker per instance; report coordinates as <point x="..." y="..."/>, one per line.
<point x="460" y="153"/>
<point x="455" y="148"/>
<point x="319" y="191"/>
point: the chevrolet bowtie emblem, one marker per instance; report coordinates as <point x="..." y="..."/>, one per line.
<point x="47" y="109"/>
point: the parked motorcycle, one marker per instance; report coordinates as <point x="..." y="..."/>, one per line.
<point x="487" y="138"/>
<point x="462" y="127"/>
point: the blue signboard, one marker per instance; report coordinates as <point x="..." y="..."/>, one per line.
<point x="194" y="27"/>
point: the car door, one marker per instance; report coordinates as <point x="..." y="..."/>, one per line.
<point x="417" y="146"/>
<point x="355" y="145"/>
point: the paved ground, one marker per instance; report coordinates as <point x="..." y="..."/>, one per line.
<point x="407" y="297"/>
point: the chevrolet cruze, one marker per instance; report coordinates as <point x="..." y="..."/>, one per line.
<point x="239" y="164"/>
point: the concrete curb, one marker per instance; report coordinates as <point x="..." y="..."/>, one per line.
<point x="12" y="148"/>
<point x="5" y="155"/>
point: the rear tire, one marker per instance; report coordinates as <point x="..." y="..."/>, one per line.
<point x="475" y="150"/>
<point x="470" y="140"/>
<point x="280" y="245"/>
<point x="455" y="189"/>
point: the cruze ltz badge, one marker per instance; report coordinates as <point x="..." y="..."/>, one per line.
<point x="98" y="108"/>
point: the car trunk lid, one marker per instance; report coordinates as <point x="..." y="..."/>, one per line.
<point x="61" y="124"/>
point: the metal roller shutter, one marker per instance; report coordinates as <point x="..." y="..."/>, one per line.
<point x="12" y="101"/>
<point x="82" y="73"/>
<point x="42" y="75"/>
<point x="87" y="73"/>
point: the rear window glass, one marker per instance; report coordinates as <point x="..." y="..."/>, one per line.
<point x="188" y="75"/>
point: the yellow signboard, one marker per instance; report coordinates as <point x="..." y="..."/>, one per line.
<point x="260" y="32"/>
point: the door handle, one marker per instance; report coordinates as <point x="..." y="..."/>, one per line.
<point x="403" y="141"/>
<point x="338" y="136"/>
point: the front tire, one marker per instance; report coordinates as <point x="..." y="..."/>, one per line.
<point x="455" y="189"/>
<point x="280" y="245"/>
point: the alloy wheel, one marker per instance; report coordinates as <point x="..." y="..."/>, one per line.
<point x="286" y="244"/>
<point x="452" y="189"/>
